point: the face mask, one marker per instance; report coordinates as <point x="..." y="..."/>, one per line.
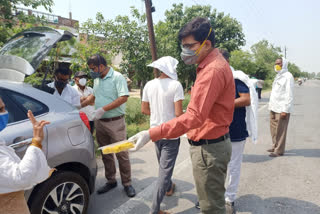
<point x="4" y="118"/>
<point x="95" y="75"/>
<point x="82" y="81"/>
<point x="190" y="57"/>
<point x="59" y="84"/>
<point x="277" y="68"/>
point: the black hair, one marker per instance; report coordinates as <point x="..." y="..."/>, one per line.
<point x="97" y="60"/>
<point x="63" y="71"/>
<point x="199" y="28"/>
<point x="225" y="54"/>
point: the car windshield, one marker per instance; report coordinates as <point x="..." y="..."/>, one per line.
<point x="26" y="46"/>
<point x="31" y="45"/>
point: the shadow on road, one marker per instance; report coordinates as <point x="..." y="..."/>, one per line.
<point x="308" y="153"/>
<point x="256" y="158"/>
<point x="254" y="204"/>
<point x="182" y="188"/>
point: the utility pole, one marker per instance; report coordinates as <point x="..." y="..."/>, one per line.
<point x="149" y="10"/>
<point x="285" y="52"/>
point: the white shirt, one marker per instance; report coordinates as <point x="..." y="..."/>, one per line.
<point x="161" y="94"/>
<point x="281" y="98"/>
<point x="17" y="174"/>
<point x="88" y="110"/>
<point x="69" y="94"/>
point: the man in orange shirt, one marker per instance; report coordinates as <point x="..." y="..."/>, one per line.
<point x="207" y="118"/>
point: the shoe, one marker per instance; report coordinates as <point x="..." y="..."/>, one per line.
<point x="106" y="188"/>
<point x="270" y="150"/>
<point x="230" y="208"/>
<point x="274" y="155"/>
<point x="197" y="205"/>
<point x="171" y="191"/>
<point x="131" y="192"/>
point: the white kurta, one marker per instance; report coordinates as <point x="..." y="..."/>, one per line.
<point x="281" y="98"/>
<point x="69" y="94"/>
<point x="17" y="174"/>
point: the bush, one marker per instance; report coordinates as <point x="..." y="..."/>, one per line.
<point x="186" y="101"/>
<point x="133" y="112"/>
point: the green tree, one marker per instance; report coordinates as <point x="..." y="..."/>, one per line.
<point x="265" y="54"/>
<point x="244" y="61"/>
<point x="127" y="37"/>
<point x="9" y="22"/>
<point x="295" y="70"/>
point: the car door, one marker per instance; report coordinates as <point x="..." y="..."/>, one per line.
<point x="19" y="130"/>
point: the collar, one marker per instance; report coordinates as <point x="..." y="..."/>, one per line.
<point x="209" y="58"/>
<point x="109" y="74"/>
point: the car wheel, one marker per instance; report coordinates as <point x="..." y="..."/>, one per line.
<point x="64" y="192"/>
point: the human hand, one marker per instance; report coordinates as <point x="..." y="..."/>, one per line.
<point x="98" y="113"/>
<point x="140" y="139"/>
<point x="283" y="115"/>
<point x="37" y="127"/>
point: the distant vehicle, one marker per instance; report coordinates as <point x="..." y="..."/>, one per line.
<point x="68" y="143"/>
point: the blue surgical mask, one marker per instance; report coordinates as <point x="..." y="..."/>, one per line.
<point x="4" y="118"/>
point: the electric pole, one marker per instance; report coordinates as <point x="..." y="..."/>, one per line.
<point x="285" y="52"/>
<point x="149" y="10"/>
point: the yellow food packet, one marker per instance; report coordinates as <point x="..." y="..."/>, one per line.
<point x="117" y="147"/>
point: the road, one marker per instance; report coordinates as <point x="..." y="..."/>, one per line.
<point x="287" y="184"/>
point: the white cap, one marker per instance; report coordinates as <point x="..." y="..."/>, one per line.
<point x="167" y="65"/>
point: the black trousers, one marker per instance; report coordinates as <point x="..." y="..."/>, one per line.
<point x="259" y="92"/>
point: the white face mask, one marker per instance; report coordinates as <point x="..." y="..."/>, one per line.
<point x="83" y="81"/>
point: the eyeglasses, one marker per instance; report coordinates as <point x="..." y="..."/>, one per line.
<point x="189" y="46"/>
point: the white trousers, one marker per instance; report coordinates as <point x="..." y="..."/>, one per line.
<point x="234" y="167"/>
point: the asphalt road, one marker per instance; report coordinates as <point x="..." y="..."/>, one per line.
<point x="287" y="184"/>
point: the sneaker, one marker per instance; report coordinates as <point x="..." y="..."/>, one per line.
<point x="230" y="208"/>
<point x="106" y="188"/>
<point x="130" y="191"/>
<point x="197" y="205"/>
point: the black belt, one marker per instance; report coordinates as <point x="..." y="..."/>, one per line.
<point x="211" y="141"/>
<point x="112" y="118"/>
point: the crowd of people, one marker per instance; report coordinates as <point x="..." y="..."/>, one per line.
<point x="221" y="115"/>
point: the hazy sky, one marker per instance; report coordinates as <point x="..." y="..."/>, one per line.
<point x="291" y="23"/>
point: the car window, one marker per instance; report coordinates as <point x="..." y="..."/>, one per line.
<point x="29" y="103"/>
<point x="18" y="105"/>
<point x="15" y="113"/>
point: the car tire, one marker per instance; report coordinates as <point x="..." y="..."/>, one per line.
<point x="64" y="192"/>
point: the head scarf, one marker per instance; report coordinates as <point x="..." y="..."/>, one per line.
<point x="167" y="65"/>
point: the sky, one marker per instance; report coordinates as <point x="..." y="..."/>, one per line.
<point x="294" y="24"/>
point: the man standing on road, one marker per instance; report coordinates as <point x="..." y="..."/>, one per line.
<point x="80" y="79"/>
<point x="207" y="118"/>
<point x="259" y="87"/>
<point x="245" y="104"/>
<point x="280" y="106"/>
<point x="110" y="93"/>
<point x="162" y="100"/>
